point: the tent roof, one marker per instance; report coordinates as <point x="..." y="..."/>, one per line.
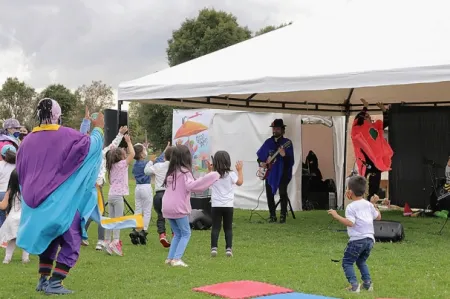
<point x="388" y="51"/>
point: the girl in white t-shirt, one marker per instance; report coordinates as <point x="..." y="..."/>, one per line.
<point x="7" y="165"/>
<point x="222" y="199"/>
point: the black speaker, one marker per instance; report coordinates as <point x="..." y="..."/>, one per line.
<point x="200" y="217"/>
<point x="113" y="121"/>
<point x="388" y="231"/>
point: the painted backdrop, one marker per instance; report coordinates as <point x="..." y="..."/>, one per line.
<point x="190" y="128"/>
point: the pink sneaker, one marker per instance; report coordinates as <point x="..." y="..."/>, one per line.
<point x="107" y="247"/>
<point x="116" y="247"/>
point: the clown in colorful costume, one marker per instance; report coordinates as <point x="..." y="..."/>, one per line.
<point x="281" y="172"/>
<point x="59" y="198"/>
<point x="372" y="152"/>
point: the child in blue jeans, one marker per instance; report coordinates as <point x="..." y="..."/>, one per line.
<point x="359" y="216"/>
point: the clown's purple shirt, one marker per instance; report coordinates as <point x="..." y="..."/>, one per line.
<point x="46" y="159"/>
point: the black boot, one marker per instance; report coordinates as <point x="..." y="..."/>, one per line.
<point x="283" y="218"/>
<point x="134" y="236"/>
<point x="273" y="219"/>
<point x="143" y="237"/>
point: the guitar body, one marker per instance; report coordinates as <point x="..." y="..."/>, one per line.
<point x="263" y="172"/>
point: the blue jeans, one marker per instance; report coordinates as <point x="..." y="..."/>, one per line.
<point x="357" y="251"/>
<point x="2" y="213"/>
<point x="182" y="231"/>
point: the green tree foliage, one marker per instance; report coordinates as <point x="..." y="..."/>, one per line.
<point x="211" y="31"/>
<point x="270" y="28"/>
<point x="17" y="100"/>
<point x="153" y="120"/>
<point x="97" y="97"/>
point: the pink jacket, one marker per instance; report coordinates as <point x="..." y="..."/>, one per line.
<point x="177" y="203"/>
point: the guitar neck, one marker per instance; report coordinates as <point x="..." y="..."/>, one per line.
<point x="278" y="152"/>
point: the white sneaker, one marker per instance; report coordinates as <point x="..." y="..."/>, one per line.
<point x="85" y="242"/>
<point x="213" y="252"/>
<point x="6" y="261"/>
<point x="178" y="263"/>
<point x="229" y="252"/>
<point x="100" y="245"/>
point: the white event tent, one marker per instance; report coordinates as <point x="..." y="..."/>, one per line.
<point x="388" y="51"/>
<point x="382" y="51"/>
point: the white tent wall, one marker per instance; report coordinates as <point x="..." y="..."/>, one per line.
<point x="339" y="155"/>
<point x="325" y="137"/>
<point x="241" y="134"/>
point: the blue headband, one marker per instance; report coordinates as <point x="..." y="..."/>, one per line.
<point x="8" y="147"/>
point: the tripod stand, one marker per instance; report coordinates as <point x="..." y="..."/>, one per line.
<point x="276" y="205"/>
<point x="128" y="210"/>
<point x="290" y="206"/>
<point x="437" y="190"/>
<point x="442" y="228"/>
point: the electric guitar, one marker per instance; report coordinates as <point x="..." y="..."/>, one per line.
<point x="263" y="172"/>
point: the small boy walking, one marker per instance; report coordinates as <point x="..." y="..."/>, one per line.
<point x="359" y="216"/>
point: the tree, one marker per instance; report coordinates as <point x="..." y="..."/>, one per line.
<point x="156" y="120"/>
<point x="18" y="100"/>
<point x="270" y="28"/>
<point x="69" y="102"/>
<point x="211" y="31"/>
<point x="137" y="123"/>
<point x="97" y="97"/>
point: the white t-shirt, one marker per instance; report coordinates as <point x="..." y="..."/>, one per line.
<point x="5" y="173"/>
<point x="159" y="170"/>
<point x="222" y="192"/>
<point x="362" y="213"/>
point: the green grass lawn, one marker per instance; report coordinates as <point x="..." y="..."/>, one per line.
<point x="296" y="255"/>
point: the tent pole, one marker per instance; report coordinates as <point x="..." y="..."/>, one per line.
<point x="347" y="117"/>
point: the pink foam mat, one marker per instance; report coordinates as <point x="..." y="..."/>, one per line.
<point x="242" y="289"/>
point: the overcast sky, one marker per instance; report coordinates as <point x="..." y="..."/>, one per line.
<point x="75" y="41"/>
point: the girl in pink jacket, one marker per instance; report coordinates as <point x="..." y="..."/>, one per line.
<point x="176" y="203"/>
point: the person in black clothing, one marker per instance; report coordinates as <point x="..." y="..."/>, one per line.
<point x="370" y="168"/>
<point x="280" y="173"/>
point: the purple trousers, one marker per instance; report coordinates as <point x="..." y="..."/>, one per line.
<point x="70" y="243"/>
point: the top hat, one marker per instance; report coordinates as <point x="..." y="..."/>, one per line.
<point x="278" y="123"/>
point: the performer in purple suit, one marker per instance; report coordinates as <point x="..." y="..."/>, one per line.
<point x="57" y="168"/>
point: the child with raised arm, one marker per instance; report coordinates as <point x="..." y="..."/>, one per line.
<point x="159" y="170"/>
<point x="222" y="200"/>
<point x="359" y="217"/>
<point x="143" y="193"/>
<point x="85" y="128"/>
<point x="176" y="203"/>
<point x="117" y="163"/>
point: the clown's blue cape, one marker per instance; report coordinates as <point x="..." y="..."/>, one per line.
<point x="133" y="221"/>
<point x="44" y="219"/>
